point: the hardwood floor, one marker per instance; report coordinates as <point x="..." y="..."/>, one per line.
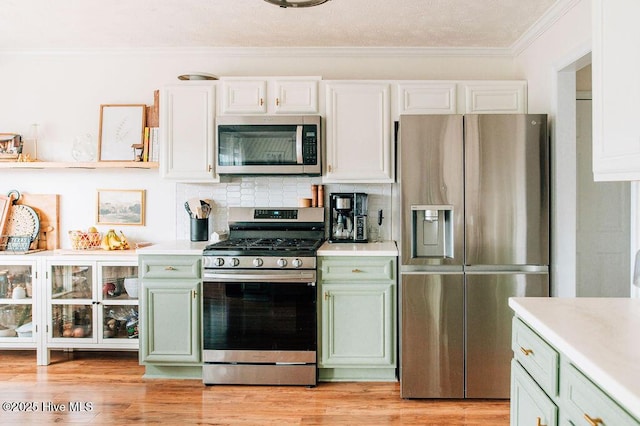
<point x="109" y="389"/>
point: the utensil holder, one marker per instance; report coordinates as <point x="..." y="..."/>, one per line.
<point x="199" y="229"/>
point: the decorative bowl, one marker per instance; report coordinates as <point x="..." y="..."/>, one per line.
<point x="131" y="286"/>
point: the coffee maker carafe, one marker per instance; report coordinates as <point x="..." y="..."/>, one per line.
<point x="348" y="219"/>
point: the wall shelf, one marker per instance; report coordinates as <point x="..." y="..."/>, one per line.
<point x="79" y="165"/>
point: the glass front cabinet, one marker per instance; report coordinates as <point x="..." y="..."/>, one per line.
<point x="18" y="303"/>
<point x="92" y="304"/>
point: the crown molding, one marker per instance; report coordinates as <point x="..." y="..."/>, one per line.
<point x="542" y="25"/>
<point x="276" y="51"/>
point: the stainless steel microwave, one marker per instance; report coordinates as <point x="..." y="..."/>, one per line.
<point x="268" y="145"/>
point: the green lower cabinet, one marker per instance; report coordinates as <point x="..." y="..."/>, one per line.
<point x="579" y="402"/>
<point x="585" y="403"/>
<point x="357" y="337"/>
<point x="529" y="404"/>
<point x="170" y="337"/>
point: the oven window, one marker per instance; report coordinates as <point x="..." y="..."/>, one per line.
<point x="259" y="316"/>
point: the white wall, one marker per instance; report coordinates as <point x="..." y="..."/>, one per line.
<point x="547" y="64"/>
<point x="62" y="92"/>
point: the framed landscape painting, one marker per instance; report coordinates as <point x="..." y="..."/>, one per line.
<point x="120" y="207"/>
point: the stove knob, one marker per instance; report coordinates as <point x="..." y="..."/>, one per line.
<point x="282" y="262"/>
<point x="296" y="263"/>
<point x="218" y="261"/>
<point x="235" y="261"/>
<point x="257" y="262"/>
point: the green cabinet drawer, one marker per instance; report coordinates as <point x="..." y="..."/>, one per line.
<point x="357" y="268"/>
<point x="537" y="357"/>
<point x="585" y="403"/>
<point x="529" y="404"/>
<point x="169" y="267"/>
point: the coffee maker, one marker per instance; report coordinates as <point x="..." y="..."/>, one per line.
<point x="348" y="218"/>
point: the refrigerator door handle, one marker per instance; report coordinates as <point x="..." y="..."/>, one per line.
<point x="506" y="269"/>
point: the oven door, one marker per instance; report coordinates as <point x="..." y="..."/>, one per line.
<point x="265" y="316"/>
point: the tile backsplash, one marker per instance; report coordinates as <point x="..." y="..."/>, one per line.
<point x="271" y="191"/>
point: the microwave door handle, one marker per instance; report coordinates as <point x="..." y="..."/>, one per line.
<point x="299" y="144"/>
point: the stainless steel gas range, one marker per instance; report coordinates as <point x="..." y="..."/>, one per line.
<point x="259" y="298"/>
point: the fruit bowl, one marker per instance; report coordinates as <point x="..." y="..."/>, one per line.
<point x="85" y="240"/>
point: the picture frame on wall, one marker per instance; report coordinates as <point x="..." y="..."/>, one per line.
<point x="121" y="126"/>
<point x="120" y="207"/>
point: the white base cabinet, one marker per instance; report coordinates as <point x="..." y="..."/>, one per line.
<point x="357" y="339"/>
<point x="88" y="305"/>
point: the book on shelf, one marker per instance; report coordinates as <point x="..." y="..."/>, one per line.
<point x="154" y="144"/>
<point x="145" y="145"/>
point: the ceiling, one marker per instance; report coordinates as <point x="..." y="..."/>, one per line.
<point x="100" y="24"/>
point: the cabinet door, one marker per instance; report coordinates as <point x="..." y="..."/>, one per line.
<point x="358" y="133"/>
<point x="295" y="96"/>
<point x="170" y="312"/>
<point x="187" y="132"/>
<point x="244" y="96"/>
<point x="495" y="98"/>
<point x="529" y="404"/>
<point x="616" y="64"/>
<point x="357" y="325"/>
<point x="19" y="304"/>
<point x="72" y="303"/>
<point x="426" y="98"/>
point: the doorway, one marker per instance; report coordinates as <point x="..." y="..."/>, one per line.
<point x="603" y="217"/>
<point x="591" y="220"/>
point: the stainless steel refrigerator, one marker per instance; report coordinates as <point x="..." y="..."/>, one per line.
<point x="474" y="193"/>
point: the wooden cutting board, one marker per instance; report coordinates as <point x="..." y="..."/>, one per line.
<point x="48" y="208"/>
<point x="5" y="206"/>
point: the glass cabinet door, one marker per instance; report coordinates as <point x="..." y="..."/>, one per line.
<point x="72" y="300"/>
<point x="16" y="301"/>
<point x="71" y="282"/>
<point x="72" y="321"/>
<point x="119" y="300"/>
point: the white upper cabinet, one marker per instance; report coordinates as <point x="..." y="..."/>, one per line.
<point x="285" y="95"/>
<point x="426" y="97"/>
<point x="358" y="132"/>
<point x="616" y="90"/>
<point x="187" y="136"/>
<point x="493" y="97"/>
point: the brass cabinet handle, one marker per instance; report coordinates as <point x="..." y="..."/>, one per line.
<point x="261" y="101"/>
<point x="326" y="295"/>
<point x="194" y="293"/>
<point x="209" y="168"/>
<point x="169" y="268"/>
<point x="356" y="270"/>
<point x="277" y="101"/>
<point x="539" y="422"/>
<point x="526" y="352"/>
<point x="593" y="422"/>
<point x="329" y="168"/>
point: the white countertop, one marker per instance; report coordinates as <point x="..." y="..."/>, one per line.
<point x="601" y="336"/>
<point x="174" y="247"/>
<point x="384" y="248"/>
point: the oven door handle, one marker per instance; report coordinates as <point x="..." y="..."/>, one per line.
<point x="301" y="277"/>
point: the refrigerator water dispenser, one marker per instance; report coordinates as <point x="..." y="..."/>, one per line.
<point x="431" y="231"/>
